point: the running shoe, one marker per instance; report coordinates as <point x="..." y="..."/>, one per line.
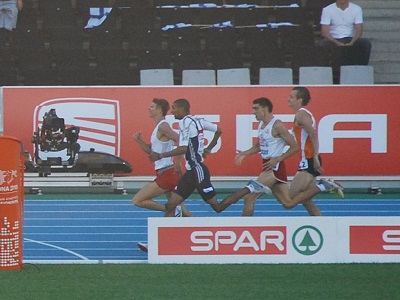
<point x="258" y="187"/>
<point x="142" y="246"/>
<point x="178" y="211"/>
<point x="332" y="187"/>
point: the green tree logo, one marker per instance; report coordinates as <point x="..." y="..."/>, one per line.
<point x="307" y="240"/>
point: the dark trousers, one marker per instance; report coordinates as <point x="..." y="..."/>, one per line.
<point x="358" y="54"/>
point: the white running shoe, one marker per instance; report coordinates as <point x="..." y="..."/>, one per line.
<point x="332" y="187"/>
<point x="178" y="211"/>
<point x="258" y="187"/>
<point x="142" y="246"/>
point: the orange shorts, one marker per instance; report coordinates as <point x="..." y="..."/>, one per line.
<point x="167" y="179"/>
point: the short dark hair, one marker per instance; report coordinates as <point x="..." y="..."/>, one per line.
<point x="303" y="93"/>
<point x="163" y="104"/>
<point x="183" y="103"/>
<point x="264" y="102"/>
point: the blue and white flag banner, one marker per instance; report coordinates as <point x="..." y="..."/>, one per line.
<point x="225" y="24"/>
<point x="97" y="16"/>
<point x="213" y="5"/>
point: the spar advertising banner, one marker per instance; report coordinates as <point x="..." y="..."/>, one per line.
<point x="274" y="240"/>
<point x="358" y="126"/>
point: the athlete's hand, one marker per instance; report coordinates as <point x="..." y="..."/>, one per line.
<point x="178" y="172"/>
<point x="270" y="164"/>
<point x="317" y="165"/>
<point x="239" y="157"/>
<point x="206" y="152"/>
<point x="137" y="136"/>
<point x="154" y="156"/>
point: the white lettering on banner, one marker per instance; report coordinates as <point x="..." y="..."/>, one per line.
<point x="377" y="133"/>
<point x="391" y="237"/>
<point x="209" y="241"/>
<point x="246" y="130"/>
<point x="208" y="135"/>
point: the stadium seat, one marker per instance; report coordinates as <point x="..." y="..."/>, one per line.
<point x="198" y="77"/>
<point x="157" y="77"/>
<point x="315" y="75"/>
<point x="237" y="76"/>
<point x="276" y="76"/>
<point x="356" y="75"/>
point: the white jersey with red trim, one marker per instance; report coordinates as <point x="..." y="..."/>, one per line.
<point x="161" y="147"/>
<point x="270" y="146"/>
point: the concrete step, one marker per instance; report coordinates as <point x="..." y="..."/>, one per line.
<point x="381" y="13"/>
<point x="383" y="56"/>
<point x="382" y="24"/>
<point x="386" y="47"/>
<point x="379" y="4"/>
<point x="389" y="67"/>
<point x="382" y="36"/>
<point x="386" y="78"/>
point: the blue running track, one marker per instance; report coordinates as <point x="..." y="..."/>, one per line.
<point x="62" y="230"/>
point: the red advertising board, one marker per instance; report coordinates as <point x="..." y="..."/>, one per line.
<point x="358" y="126"/>
<point x="375" y="239"/>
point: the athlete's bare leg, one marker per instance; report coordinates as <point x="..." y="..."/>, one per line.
<point x="185" y="211"/>
<point x="249" y="202"/>
<point x="144" y="197"/>
<point x="173" y="201"/>
<point x="302" y="189"/>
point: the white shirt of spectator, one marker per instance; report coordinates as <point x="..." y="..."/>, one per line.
<point x="341" y="22"/>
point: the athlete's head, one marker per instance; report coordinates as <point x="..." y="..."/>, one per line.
<point x="264" y="102"/>
<point x="302" y="93"/>
<point x="262" y="108"/>
<point x="180" y="108"/>
<point x="163" y="104"/>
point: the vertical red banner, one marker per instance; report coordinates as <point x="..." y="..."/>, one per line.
<point x="11" y="203"/>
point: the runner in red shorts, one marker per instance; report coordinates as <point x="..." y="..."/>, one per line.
<point x="168" y="170"/>
<point x="272" y="139"/>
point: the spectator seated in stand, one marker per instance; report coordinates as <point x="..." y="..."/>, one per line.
<point x="9" y="15"/>
<point x="341" y="28"/>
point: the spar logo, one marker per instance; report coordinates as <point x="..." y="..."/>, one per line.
<point x="307" y="240"/>
<point x="98" y="120"/>
<point x="241" y="240"/>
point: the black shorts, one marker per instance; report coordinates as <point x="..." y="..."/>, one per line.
<point x="310" y="167"/>
<point x="196" y="179"/>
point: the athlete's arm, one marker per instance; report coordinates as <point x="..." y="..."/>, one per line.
<point x="305" y="121"/>
<point x="138" y="138"/>
<point x="211" y="145"/>
<point x="168" y="133"/>
<point x="280" y="130"/>
<point x="242" y="154"/>
<point x="180" y="150"/>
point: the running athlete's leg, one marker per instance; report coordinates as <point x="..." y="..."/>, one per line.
<point x="185" y="211"/>
<point x="173" y="201"/>
<point x="266" y="178"/>
<point x="231" y="199"/>
<point x="281" y="193"/>
<point x="249" y="203"/>
<point x="312" y="208"/>
<point x="302" y="189"/>
<point x="144" y="198"/>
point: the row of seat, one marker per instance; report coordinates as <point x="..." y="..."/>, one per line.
<point x="268" y="76"/>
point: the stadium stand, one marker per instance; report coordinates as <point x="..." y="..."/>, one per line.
<point x="54" y="48"/>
